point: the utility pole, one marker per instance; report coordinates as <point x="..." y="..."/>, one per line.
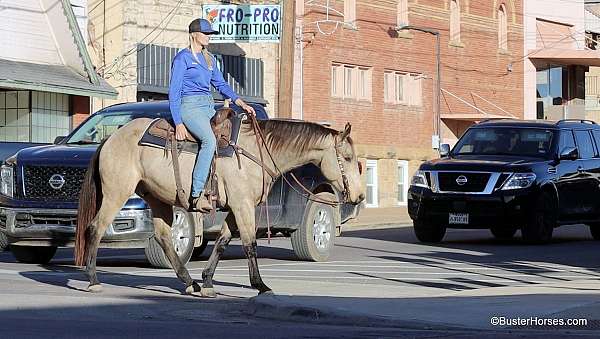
<point x="438" y="75"/>
<point x="286" y="59"/>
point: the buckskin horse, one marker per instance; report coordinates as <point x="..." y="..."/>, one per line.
<point x="121" y="167"/>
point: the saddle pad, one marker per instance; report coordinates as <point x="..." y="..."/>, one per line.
<point x="151" y="138"/>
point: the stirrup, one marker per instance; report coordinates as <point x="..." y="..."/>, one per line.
<point x="200" y="204"/>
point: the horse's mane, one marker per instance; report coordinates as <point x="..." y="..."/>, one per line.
<point x="281" y="134"/>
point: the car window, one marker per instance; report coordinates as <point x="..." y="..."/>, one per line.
<point x="535" y="142"/>
<point x="584" y="144"/>
<point x="596" y="134"/>
<point x="566" y="140"/>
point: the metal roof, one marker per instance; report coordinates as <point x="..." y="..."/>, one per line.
<point x="50" y="78"/>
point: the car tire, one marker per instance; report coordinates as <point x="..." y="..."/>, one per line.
<point x="182" y="235"/>
<point x="40" y="255"/>
<point x="503" y="233"/>
<point x="314" y="239"/>
<point x="3" y="242"/>
<point x="428" y="232"/>
<point x="595" y="231"/>
<point x="198" y="252"/>
<point x="541" y="223"/>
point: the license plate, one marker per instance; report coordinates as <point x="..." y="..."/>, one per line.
<point x="458" y="219"/>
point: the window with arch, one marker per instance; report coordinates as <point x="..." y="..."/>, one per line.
<point x="454" y="21"/>
<point x="402" y="13"/>
<point x="502" y="28"/>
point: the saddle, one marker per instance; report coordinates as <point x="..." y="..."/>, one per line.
<point x="225" y="125"/>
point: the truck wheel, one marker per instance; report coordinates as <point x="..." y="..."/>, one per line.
<point x="182" y="235"/>
<point x="595" y="231"/>
<point x="199" y="251"/>
<point x="3" y="242"/>
<point x="428" y="232"/>
<point x="314" y="239"/>
<point x="503" y="232"/>
<point x="40" y="255"/>
<point x="541" y="223"/>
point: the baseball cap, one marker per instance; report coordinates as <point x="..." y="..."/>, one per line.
<point x="201" y="25"/>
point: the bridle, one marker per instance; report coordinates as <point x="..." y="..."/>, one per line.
<point x="346" y="191"/>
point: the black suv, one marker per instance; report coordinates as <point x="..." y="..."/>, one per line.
<point x="511" y="174"/>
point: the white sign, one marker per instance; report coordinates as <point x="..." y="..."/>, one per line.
<point x="244" y="23"/>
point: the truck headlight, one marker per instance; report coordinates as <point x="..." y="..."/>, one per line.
<point x="7" y="181"/>
<point x="519" y="180"/>
<point x="419" y="179"/>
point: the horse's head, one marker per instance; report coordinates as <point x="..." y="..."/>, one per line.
<point x="341" y="167"/>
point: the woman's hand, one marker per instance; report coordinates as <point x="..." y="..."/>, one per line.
<point x="245" y="106"/>
<point x="180" y="132"/>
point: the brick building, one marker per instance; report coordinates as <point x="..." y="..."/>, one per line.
<point x="383" y="80"/>
<point x="132" y="43"/>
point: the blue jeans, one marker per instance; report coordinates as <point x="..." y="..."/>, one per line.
<point x="196" y="111"/>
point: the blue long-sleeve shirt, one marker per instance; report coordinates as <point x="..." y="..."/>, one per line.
<point x="188" y="77"/>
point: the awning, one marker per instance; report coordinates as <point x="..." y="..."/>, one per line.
<point x="473" y="116"/>
<point x="567" y="57"/>
<point x="51" y="78"/>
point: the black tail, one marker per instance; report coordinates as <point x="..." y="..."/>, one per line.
<point x="90" y="199"/>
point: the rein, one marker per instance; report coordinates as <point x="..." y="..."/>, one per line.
<point x="307" y="193"/>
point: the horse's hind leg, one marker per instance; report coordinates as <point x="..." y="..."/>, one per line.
<point x="220" y="245"/>
<point x="162" y="215"/>
<point x="95" y="231"/>
<point x="246" y="224"/>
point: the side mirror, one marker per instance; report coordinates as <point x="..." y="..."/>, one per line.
<point x="569" y="153"/>
<point x="59" y="139"/>
<point x="444" y="150"/>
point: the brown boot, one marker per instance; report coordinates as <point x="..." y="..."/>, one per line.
<point x="200" y="204"/>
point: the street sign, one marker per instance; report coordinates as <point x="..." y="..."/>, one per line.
<point x="244" y="23"/>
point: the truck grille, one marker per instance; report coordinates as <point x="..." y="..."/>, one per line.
<point x="38" y="186"/>
<point x="475" y="182"/>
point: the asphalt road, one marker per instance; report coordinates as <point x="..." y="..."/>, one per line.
<point x="140" y="301"/>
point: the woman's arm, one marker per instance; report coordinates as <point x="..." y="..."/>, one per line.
<point x="223" y="87"/>
<point x="177" y="71"/>
<point x="220" y="84"/>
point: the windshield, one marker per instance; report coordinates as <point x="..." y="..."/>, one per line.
<point x="100" y="126"/>
<point x="534" y="142"/>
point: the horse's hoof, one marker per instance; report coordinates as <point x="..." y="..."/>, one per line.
<point x="95" y="288"/>
<point x="193" y="288"/>
<point x="208" y="292"/>
<point x="267" y="292"/>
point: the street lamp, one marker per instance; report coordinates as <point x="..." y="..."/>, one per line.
<point x="437" y="121"/>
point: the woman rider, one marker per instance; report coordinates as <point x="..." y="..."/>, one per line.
<point x="192" y="72"/>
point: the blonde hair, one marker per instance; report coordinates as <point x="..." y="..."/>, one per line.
<point x="207" y="56"/>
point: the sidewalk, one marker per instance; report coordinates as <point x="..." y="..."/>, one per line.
<point x="380" y="217"/>
<point x="472" y="309"/>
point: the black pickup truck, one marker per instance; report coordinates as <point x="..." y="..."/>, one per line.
<point x="40" y="185"/>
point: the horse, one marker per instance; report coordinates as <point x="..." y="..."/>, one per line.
<point x="121" y="167"/>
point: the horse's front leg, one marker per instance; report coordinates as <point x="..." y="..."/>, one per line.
<point x="246" y="224"/>
<point x="220" y="245"/>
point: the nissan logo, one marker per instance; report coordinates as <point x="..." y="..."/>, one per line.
<point x="461" y="180"/>
<point x="56" y="181"/>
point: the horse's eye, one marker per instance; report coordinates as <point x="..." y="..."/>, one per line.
<point x="348" y="159"/>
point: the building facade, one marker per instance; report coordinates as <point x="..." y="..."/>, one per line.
<point x="592" y="77"/>
<point x="132" y="43"/>
<point x="354" y="63"/>
<point x="46" y="75"/>
<point x="557" y="57"/>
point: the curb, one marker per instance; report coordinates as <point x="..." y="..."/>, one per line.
<point x="359" y="227"/>
<point x="282" y="308"/>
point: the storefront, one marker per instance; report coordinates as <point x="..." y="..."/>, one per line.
<point x="46" y="75"/>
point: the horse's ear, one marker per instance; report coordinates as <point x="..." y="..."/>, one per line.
<point x="346" y="131"/>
